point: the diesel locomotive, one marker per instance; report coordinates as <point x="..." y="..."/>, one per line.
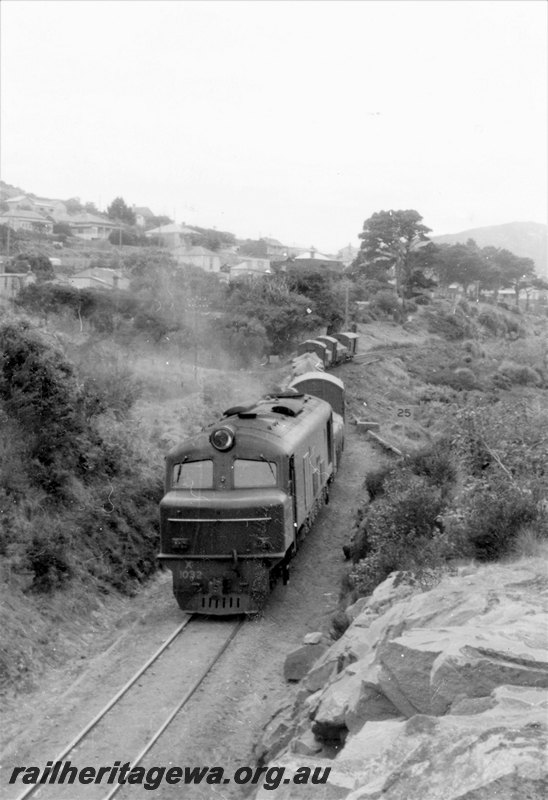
<point x="240" y="495"/>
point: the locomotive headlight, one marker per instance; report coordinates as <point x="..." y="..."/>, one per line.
<point x="222" y="438"/>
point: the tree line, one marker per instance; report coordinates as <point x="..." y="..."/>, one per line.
<point x="396" y="250"/>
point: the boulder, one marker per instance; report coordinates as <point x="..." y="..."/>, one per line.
<point x="495" y="755"/>
<point x="434" y="668"/>
<point x="321" y="673"/>
<point x="351" y="700"/>
<point x="330" y="714"/>
<point x="306" y="744"/>
<point x="299" y="661"/>
<point x="313" y="638"/>
<point x="479" y="660"/>
<point x="276" y="735"/>
<point x="390" y="591"/>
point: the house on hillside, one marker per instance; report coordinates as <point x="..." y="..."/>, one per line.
<point x="90" y="226"/>
<point x="99" y="278"/>
<point x="232" y="259"/>
<point x="142" y="215"/>
<point x="54" y="208"/>
<point x="172" y="235"/>
<point x="250" y="266"/>
<point x="42" y="205"/>
<point x="274" y="248"/>
<point x="313" y="261"/>
<point x="208" y="260"/>
<point x="19" y="219"/>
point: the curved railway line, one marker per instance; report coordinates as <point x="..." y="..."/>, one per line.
<point x="145" y="706"/>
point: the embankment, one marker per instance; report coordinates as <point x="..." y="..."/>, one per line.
<point x="430" y="694"/>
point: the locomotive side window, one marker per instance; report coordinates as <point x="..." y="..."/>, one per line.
<point x="192" y="475"/>
<point x="250" y="474"/>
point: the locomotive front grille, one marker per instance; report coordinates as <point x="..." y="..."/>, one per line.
<point x="214" y="602"/>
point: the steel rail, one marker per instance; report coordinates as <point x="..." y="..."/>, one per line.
<point x="186" y="697"/>
<point x="33" y="787"/>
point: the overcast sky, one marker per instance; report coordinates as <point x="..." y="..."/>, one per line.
<point x="296" y="120"/>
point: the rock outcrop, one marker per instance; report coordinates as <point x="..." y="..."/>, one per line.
<point x="429" y="695"/>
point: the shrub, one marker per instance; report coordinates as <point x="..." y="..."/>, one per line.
<point x="460" y="379"/>
<point x="385" y="301"/>
<point x="402" y="531"/>
<point x="451" y="326"/>
<point x="47" y="557"/>
<point x="375" y="479"/>
<point x="492" y="514"/>
<point x="495" y="323"/>
<point x="339" y="623"/>
<point x="436" y="463"/>
<point x="108" y="386"/>
<point x="505" y="455"/>
<point x="41" y="393"/>
<point x="437" y="394"/>
<point x="465" y="379"/>
<point x="520" y="374"/>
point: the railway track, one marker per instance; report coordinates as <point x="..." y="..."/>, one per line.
<point x="129" y="725"/>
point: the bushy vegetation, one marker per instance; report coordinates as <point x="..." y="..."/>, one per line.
<point x="501" y="323"/>
<point x="78" y="497"/>
<point x="385" y="301"/>
<point x="471" y="494"/>
<point x="510" y="374"/>
<point x="451" y="325"/>
<point x="105" y="311"/>
<point x="284" y="313"/>
<point x="399" y="531"/>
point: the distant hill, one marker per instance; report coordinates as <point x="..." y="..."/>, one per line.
<point x="526" y="239"/>
<point x="7" y="190"/>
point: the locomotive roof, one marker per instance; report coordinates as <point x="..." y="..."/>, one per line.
<point x="278" y="422"/>
<point x="329" y="339"/>
<point x="323" y="376"/>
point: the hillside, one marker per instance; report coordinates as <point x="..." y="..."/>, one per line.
<point x="526" y="239"/>
<point x="474" y="371"/>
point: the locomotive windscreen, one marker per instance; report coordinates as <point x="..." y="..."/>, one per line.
<point x="193" y="475"/>
<point x="250" y="474"/>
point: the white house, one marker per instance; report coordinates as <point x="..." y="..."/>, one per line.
<point x="42" y="205"/>
<point x="24" y="220"/>
<point x="89" y="226"/>
<point x="172" y="235"/>
<point x="250" y="266"/>
<point x="198" y="256"/>
<point x="99" y="277"/>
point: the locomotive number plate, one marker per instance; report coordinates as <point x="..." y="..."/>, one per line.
<point x="187" y="574"/>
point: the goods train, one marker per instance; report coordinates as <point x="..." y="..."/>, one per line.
<point x="240" y="495"/>
<point x="332" y="350"/>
